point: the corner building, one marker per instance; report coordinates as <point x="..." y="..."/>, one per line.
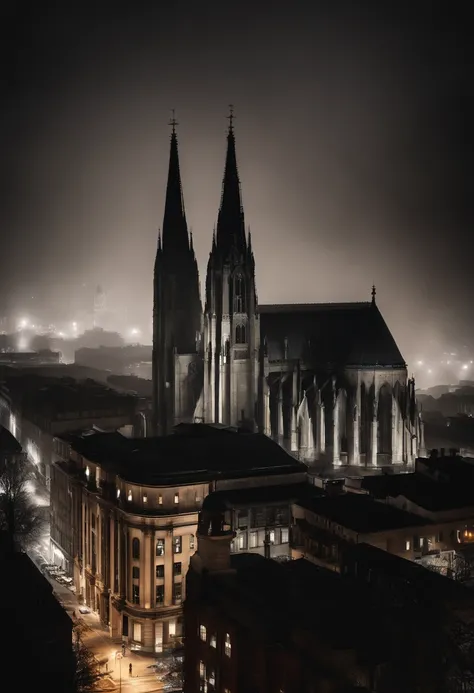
<point x="124" y="514"/>
<point x="326" y="381"/>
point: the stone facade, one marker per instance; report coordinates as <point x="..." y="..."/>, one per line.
<point x="326" y="381"/>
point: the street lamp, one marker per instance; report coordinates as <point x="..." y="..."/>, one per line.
<point x="119" y="655"/>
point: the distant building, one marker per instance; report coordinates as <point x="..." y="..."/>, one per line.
<point x="35" y="408"/>
<point x="125" y="360"/>
<point x="326" y="381"/>
<point x="124" y="515"/>
<point x="37" y="647"/>
<point x="29" y="358"/>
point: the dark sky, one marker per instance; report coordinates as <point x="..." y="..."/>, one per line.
<point x="354" y="142"/>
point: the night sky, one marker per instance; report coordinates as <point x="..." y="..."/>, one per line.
<point x="354" y="143"/>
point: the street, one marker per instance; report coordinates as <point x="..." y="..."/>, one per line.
<point x="95" y="635"/>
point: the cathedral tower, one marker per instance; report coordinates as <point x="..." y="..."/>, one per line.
<point x="176" y="311"/>
<point x="231" y="323"/>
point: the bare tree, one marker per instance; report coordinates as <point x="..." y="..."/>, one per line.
<point x="20" y="518"/>
<point x="86" y="675"/>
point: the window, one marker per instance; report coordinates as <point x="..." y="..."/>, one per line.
<point x="284" y="535"/>
<point x="160" y="572"/>
<point x="160" y="547"/>
<point x="88" y="473"/>
<point x="242" y="541"/>
<point x="177" y="544"/>
<point x="239" y="294"/>
<point x="227" y="645"/>
<point x="211" y="679"/>
<point x="176" y="568"/>
<point x="135" y="594"/>
<point x="191" y="541"/>
<point x="118" y="493"/>
<point x="129" y="497"/>
<point x="240" y="334"/>
<point x="135" y="548"/>
<point x="202" y="670"/>
<point x="137" y="632"/>
<point x="135" y="572"/>
<point x="176" y="498"/>
<point x="407" y="545"/>
<point x="253" y="540"/>
<point x="203" y="632"/>
<point x="271" y="536"/>
<point x="213" y="641"/>
<point x="172" y="628"/>
<point x="160" y="595"/>
<point x="145" y="498"/>
<point x="160" y="499"/>
<point x="177" y="593"/>
<point x="197" y="498"/>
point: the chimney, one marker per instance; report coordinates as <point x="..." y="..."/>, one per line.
<point x="213" y="540"/>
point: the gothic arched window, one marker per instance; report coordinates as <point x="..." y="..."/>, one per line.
<point x="239" y="294"/>
<point x="135" y="548"/>
<point x="241" y="334"/>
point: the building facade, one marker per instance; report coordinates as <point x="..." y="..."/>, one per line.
<point x="326" y="381"/>
<point x="124" y="514"/>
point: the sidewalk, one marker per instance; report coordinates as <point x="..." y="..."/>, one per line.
<point x="96" y="638"/>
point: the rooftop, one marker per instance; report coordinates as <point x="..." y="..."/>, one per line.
<point x="361" y="513"/>
<point x="202" y="452"/>
<point x="55" y="395"/>
<point x="8" y="443"/>
<point x="434" y="496"/>
<point x="330" y="333"/>
<point x="267" y="495"/>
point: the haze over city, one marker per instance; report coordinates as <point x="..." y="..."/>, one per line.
<point x="352" y="144"/>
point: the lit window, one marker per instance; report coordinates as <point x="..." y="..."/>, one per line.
<point x="271" y="536"/>
<point x="145" y="498"/>
<point x="191" y="541"/>
<point x="176" y="498"/>
<point x="172" y="628"/>
<point x="118" y="493"/>
<point x="203" y="632"/>
<point x="284" y="535"/>
<point x="160" y="547"/>
<point x="242" y="541"/>
<point x="198" y="498"/>
<point x="407" y="545"/>
<point x="211" y="679"/>
<point x="129" y="497"/>
<point x="213" y="640"/>
<point x="253" y="540"/>
<point x="202" y="670"/>
<point x="88" y="472"/>
<point x="160" y="499"/>
<point x="227" y="645"/>
<point x="177" y="544"/>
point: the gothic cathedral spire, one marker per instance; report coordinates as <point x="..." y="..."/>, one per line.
<point x="231" y="323"/>
<point x="176" y="307"/>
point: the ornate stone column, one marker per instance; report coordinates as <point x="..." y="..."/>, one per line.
<point x="320" y="426"/>
<point x="280" y="425"/>
<point x="373" y="434"/>
<point x="353" y="427"/>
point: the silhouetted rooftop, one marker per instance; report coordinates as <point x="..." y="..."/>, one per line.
<point x="330" y="333"/>
<point x="8" y="443"/>
<point x="426" y="493"/>
<point x="177" y="458"/>
<point x="362" y="513"/>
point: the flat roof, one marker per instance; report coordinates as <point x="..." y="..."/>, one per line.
<point x="361" y="513"/>
<point x="59" y="395"/>
<point x="204" y="451"/>
<point x="267" y="495"/>
<point x="434" y="496"/>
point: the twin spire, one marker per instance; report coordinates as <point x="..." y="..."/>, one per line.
<point x="230" y="231"/>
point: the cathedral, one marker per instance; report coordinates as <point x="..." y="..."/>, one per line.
<point x="325" y="380"/>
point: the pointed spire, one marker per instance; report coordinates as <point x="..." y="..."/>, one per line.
<point x="374" y="292"/>
<point x="191" y="245"/>
<point x="175" y="231"/>
<point x="249" y="241"/>
<point x="230" y="222"/>
<point x="159" y="240"/>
